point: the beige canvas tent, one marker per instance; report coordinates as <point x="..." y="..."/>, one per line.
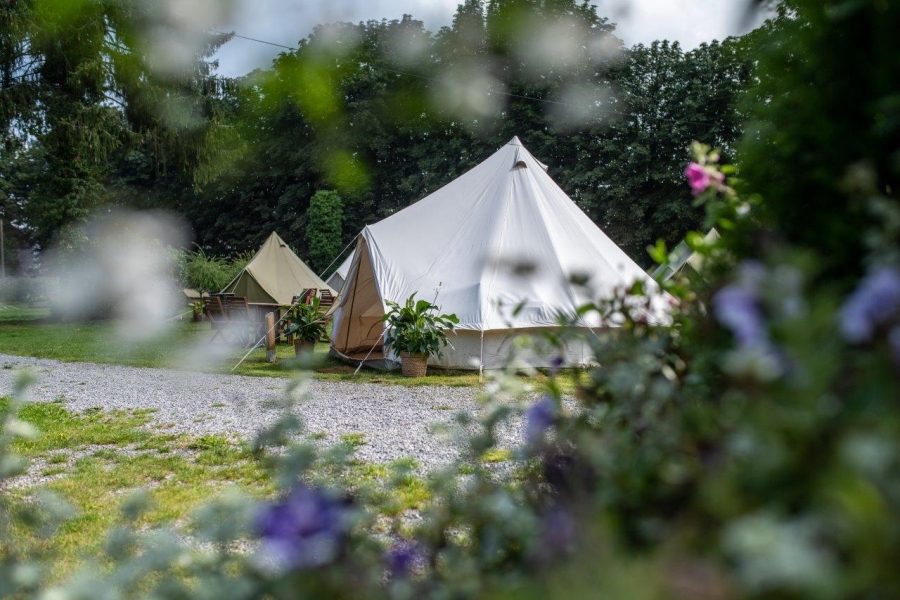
<point x="462" y="246"/>
<point x="275" y="275"/>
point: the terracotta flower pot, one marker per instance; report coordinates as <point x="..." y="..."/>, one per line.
<point x="303" y="347"/>
<point x="413" y="365"/>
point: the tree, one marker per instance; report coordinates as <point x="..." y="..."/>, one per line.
<point x="628" y="174"/>
<point x="79" y="84"/>
<point x="824" y="131"/>
<point x="323" y="229"/>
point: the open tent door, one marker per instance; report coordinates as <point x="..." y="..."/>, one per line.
<point x="358" y="329"/>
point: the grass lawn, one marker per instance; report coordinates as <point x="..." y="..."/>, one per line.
<point x="29" y="332"/>
<point x="96" y="460"/>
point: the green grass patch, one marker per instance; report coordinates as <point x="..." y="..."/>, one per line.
<point x="58" y="458"/>
<point x="22" y="313"/>
<point x="496" y="455"/>
<point x="180" y="474"/>
<point x="389" y="489"/>
<point x="406" y="463"/>
<point x="51" y="471"/>
<point x="61" y="429"/>
<point x="354" y="439"/>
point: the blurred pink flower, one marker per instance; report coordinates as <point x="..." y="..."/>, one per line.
<point x="698" y="178"/>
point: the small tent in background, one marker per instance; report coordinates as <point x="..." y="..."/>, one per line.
<point x="275" y="275"/>
<point x="681" y="258"/>
<point x="499" y="247"/>
<point x="337" y="278"/>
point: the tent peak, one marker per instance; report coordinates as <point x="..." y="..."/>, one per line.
<point x="515" y="141"/>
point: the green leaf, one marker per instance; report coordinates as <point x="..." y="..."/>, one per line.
<point x="658" y="252"/>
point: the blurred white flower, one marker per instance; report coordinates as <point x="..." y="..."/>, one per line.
<point x="544" y="45"/>
<point x="580" y="104"/>
<point x="124" y="272"/>
<point x="470" y="92"/>
<point x="410" y="46"/>
<point x="178" y="31"/>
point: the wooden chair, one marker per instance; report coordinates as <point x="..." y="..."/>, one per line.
<point x="326" y="299"/>
<point x="237" y="309"/>
<point x="217" y="317"/>
<point x="326" y="302"/>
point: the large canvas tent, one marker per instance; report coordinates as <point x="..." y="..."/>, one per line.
<point x="275" y="275"/>
<point x="498" y="247"/>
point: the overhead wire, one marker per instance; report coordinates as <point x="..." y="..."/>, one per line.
<point x="487" y="91"/>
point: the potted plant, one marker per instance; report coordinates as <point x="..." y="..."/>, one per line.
<point x="416" y="331"/>
<point x="306" y="324"/>
<point x="197" y="307"/>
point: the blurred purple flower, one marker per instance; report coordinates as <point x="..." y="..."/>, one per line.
<point x="737" y="308"/>
<point x="303" y="531"/>
<point x="556" y="364"/>
<point x="538" y="418"/>
<point x="874" y="302"/>
<point x="402" y="557"/>
<point x="698" y="178"/>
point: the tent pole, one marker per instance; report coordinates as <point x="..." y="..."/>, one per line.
<point x="481" y="360"/>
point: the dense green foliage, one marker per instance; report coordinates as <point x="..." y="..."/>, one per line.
<point x="323" y="230"/>
<point x="821" y="184"/>
<point x="89" y="116"/>
<point x="383" y="112"/>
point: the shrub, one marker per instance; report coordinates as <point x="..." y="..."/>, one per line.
<point x="417" y="327"/>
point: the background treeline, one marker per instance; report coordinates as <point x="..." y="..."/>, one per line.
<point x="383" y="113"/>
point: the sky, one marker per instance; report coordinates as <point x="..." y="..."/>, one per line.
<point x="690" y="22"/>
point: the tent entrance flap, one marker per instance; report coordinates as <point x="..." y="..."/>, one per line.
<point x="360" y="326"/>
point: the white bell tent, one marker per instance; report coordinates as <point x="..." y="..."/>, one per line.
<point x="499" y="247"/>
<point x="340" y="274"/>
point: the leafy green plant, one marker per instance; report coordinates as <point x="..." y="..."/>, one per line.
<point x="205" y="273"/>
<point x="417" y="328"/>
<point x="306" y="322"/>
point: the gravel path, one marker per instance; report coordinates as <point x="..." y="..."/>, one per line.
<point x="397" y="421"/>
